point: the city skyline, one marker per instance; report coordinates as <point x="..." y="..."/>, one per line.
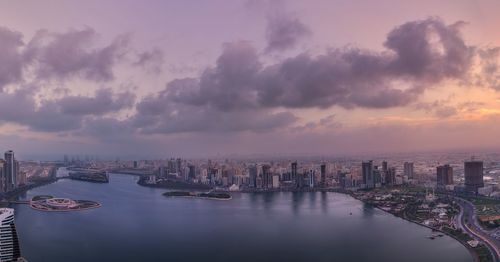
<point x="249" y="77"/>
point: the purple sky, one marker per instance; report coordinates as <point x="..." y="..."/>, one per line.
<point x="205" y="78"/>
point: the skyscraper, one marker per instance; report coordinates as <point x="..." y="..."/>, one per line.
<point x="267" y="179"/>
<point x="310" y="178"/>
<point x="473" y="172"/>
<point x="11" y="167"/>
<point x="444" y="175"/>
<point x="323" y="175"/>
<point x="384" y="166"/>
<point x="9" y="248"/>
<point x="252" y="172"/>
<point x="296" y="176"/>
<point x="390" y="176"/>
<point x="3" y="178"/>
<point x="367" y="169"/>
<point x="408" y="169"/>
<point x="192" y="171"/>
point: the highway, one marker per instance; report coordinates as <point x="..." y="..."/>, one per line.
<point x="467" y="212"/>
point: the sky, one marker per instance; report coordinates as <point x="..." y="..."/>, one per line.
<point x="154" y="79"/>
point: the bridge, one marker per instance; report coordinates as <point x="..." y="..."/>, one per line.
<point x="25" y="202"/>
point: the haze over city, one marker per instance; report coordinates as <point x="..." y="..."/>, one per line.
<point x="250" y="130"/>
<point x="208" y="78"/>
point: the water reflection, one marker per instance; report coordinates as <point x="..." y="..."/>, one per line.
<point x="324" y="202"/>
<point x="250" y="227"/>
<point x="297" y="199"/>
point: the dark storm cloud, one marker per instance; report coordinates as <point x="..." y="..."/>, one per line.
<point x="20" y="107"/>
<point x="156" y="115"/>
<point x="429" y="49"/>
<point x="104" y="101"/>
<point x="57" y="56"/>
<point x="63" y="114"/>
<point x="419" y="54"/>
<point x="284" y="31"/>
<point x="239" y="93"/>
<point x="11" y="59"/>
<point x="69" y="54"/>
<point x="228" y="86"/>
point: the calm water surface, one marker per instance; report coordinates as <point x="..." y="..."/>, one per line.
<point x="139" y="224"/>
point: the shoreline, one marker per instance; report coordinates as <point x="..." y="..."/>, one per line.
<point x="475" y="255"/>
<point x="66" y="210"/>
<point x="14" y="194"/>
<point x="197" y="197"/>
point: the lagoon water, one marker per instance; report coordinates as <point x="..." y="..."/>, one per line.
<point x="139" y="224"/>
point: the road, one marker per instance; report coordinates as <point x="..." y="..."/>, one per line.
<point x="467" y="212"/>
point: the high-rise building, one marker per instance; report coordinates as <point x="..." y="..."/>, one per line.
<point x="252" y="171"/>
<point x="3" y="178"/>
<point x="341" y="177"/>
<point x="323" y="174"/>
<point x="377" y="176"/>
<point x="384" y="166"/>
<point x="310" y="178"/>
<point x="267" y="179"/>
<point x="296" y="176"/>
<point x="9" y="247"/>
<point x="390" y="176"/>
<point x="192" y="172"/>
<point x="408" y="169"/>
<point x="473" y="172"/>
<point x="178" y="165"/>
<point x="367" y="169"/>
<point x="11" y="167"/>
<point x="444" y="175"/>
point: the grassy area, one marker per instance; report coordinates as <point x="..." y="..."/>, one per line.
<point x="486" y="209"/>
<point x="458" y="233"/>
<point x="479" y="201"/>
<point x="484" y="253"/>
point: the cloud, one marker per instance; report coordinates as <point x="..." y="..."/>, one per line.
<point x="284" y="31"/>
<point x="230" y="95"/>
<point x="429" y="49"/>
<point x="64" y="55"/>
<point x="159" y="116"/>
<point x="239" y="93"/>
<point x="104" y="101"/>
<point x="11" y="58"/>
<point x="419" y="54"/>
<point x="327" y="123"/>
<point x="64" y="114"/>
<point x="151" y="61"/>
<point x="489" y="74"/>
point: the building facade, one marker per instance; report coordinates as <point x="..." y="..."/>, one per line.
<point x="9" y="247"/>
<point x="408" y="169"/>
<point x="367" y="170"/>
<point x="473" y="173"/>
<point x="444" y="175"/>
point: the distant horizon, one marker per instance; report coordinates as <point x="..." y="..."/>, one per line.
<point x="297" y="156"/>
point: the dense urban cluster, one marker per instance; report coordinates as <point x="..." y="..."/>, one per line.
<point x="470" y="176"/>
<point x="10" y="175"/>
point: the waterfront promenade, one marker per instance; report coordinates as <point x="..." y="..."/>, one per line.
<point x="467" y="221"/>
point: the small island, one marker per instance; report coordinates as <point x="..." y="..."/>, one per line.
<point x="209" y="195"/>
<point x="50" y="203"/>
<point x="94" y="177"/>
